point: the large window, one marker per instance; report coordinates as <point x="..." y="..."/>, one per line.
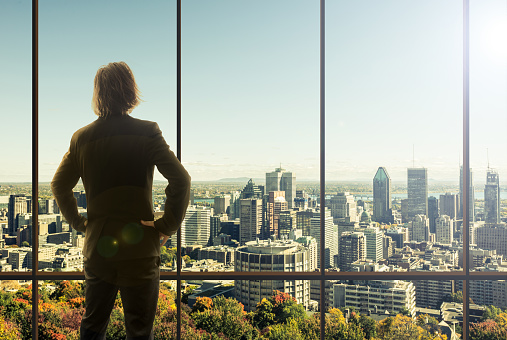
<point x="347" y="161"/>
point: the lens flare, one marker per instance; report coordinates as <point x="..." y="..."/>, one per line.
<point x="107" y="246"/>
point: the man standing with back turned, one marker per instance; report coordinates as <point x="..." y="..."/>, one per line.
<point x="115" y="157"/>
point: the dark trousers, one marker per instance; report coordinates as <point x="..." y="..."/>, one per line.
<point x="138" y="283"/>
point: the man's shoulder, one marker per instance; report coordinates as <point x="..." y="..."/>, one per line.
<point x="116" y="126"/>
<point x="147" y="124"/>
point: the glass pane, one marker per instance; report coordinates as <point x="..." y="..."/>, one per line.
<point x="71" y="50"/>
<point x="62" y="306"/>
<point x="488" y="300"/>
<point x="391" y="309"/>
<point x="16" y="309"/>
<point x="488" y="143"/>
<point x="280" y="309"/>
<point x="16" y="136"/>
<point x="393" y="134"/>
<point x="250" y="129"/>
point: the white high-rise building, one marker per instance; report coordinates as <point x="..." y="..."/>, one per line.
<point x="196" y="226"/>
<point x="282" y="180"/>
<point x="343" y="208"/>
<point x="374" y="243"/>
<point x="444" y="229"/>
<point x="419" y="228"/>
<point x="330" y="237"/>
<point x="310" y="243"/>
<point x="376" y="295"/>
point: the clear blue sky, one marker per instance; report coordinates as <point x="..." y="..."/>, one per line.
<point x="251" y="83"/>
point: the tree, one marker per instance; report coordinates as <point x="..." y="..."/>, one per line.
<point x="263" y="315"/>
<point x="284" y="331"/>
<point x="404" y="311"/>
<point x="225" y="316"/>
<point x="487" y="330"/>
<point x="369" y="326"/>
<point x="402" y="327"/>
<point x="457" y="297"/>
<point x="202" y="303"/>
<point x="338" y="330"/>
<point x="8" y="331"/>
<point x="66" y="290"/>
<point x="490" y="313"/>
<point x="278" y="308"/>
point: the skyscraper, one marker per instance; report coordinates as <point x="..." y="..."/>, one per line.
<point x="352" y="248"/>
<point x="215" y="226"/>
<point x="330" y="237"/>
<point x="419" y="229"/>
<point x="492" y="198"/>
<point x="493" y="237"/>
<point x="382" y="206"/>
<point x="282" y="180"/>
<point x="18" y="204"/>
<point x="343" y="208"/>
<point x="276" y="203"/>
<point x="471" y="205"/>
<point x="196" y="226"/>
<point x="445" y="230"/>
<point x="374" y="244"/>
<point x="433" y="212"/>
<point x="250" y="219"/>
<point x="252" y="191"/>
<point x="417" y="189"/>
<point x="221" y="203"/>
<point x="449" y="205"/>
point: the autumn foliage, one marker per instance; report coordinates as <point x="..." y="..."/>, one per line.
<point x="61" y="307"/>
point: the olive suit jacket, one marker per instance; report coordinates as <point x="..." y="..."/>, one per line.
<point x="115" y="158"/>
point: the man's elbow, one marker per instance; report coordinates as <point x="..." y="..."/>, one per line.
<point x="188" y="180"/>
<point x="54" y="187"/>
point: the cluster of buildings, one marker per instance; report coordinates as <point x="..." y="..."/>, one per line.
<point x="277" y="228"/>
<point x="60" y="247"/>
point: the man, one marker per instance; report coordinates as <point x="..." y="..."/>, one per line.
<point x="115" y="157"/>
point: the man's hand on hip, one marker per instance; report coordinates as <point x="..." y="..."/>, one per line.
<point x="163" y="237"/>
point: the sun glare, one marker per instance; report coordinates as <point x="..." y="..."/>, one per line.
<point x="494" y="40"/>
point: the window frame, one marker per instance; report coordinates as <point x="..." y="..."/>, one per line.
<point x="465" y="275"/>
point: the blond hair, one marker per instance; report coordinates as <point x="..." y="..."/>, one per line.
<point x="115" y="90"/>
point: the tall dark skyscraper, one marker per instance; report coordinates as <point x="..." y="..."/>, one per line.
<point x="382" y="206"/>
<point x="471" y="202"/>
<point x="417" y="189"/>
<point x="492" y="197"/>
<point x="18" y="204"/>
<point x="449" y="205"/>
<point x="433" y="212"/>
<point x="252" y="191"/>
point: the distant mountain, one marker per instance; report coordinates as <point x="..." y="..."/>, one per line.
<point x="241" y="180"/>
<point x="225" y="180"/>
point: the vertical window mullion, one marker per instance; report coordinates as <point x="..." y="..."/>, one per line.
<point x="466" y="171"/>
<point x="322" y="167"/>
<point x="178" y="153"/>
<point x="35" y="165"/>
